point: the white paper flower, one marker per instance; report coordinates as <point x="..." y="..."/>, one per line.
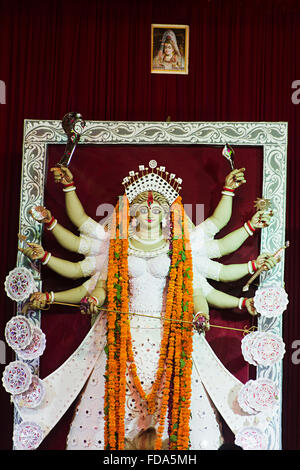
<point x="243" y="398"/>
<point x="27" y="436"/>
<point x="270" y="301"/>
<point x="262" y="348"/>
<point x="16" y="377"/>
<point x="19" y="284"/>
<point x="251" y="438"/>
<point x="258" y="395"/>
<point x="36" y="347"/>
<point x="33" y="396"/>
<point x="246" y="346"/>
<point x="18" y="332"/>
<point x="263" y="394"/>
<point x="267" y="349"/>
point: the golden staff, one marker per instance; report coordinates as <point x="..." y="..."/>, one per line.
<point x="262" y="268"/>
<point x="244" y="330"/>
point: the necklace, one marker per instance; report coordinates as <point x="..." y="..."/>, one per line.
<point x="140" y="253"/>
<point x="147" y="242"/>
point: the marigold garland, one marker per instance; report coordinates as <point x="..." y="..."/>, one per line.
<point x="175" y="359"/>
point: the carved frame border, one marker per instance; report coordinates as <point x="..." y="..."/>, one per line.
<point x="272" y="136"/>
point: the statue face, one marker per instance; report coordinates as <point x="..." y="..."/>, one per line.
<point x="149" y="217"/>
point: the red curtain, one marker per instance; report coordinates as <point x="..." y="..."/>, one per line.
<point x="94" y="57"/>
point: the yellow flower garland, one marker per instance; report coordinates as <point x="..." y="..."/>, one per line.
<point x="175" y="360"/>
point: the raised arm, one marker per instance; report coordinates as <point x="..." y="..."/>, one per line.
<point x="65" y="237"/>
<point x="235" y="239"/>
<point x="75" y="210"/>
<point x="223" y="211"/>
<point x="61" y="266"/>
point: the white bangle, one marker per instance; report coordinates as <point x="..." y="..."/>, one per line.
<point x="47" y="259"/>
<point x="250" y="270"/>
<point x="51" y="297"/>
<point x="240" y="302"/>
<point x="227" y="193"/>
<point x="67" y="190"/>
<point x="248" y="229"/>
<point x="52" y="225"/>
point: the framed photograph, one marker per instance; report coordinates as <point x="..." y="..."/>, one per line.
<point x="169" y="48"/>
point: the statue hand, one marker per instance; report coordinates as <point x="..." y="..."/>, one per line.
<point x="235" y="178"/>
<point x="261" y="219"/>
<point x="41" y="214"/>
<point x="267" y="261"/>
<point x="33" y="251"/>
<point x="62" y="175"/>
<point x="88" y="305"/>
<point x="38" y="300"/>
<point x="250" y="307"/>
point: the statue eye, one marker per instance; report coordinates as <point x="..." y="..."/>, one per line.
<point x="143" y="210"/>
<point x="156" y="210"/>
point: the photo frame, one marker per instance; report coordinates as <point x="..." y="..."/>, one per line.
<point x="271" y="137"/>
<point x="169" y="49"/>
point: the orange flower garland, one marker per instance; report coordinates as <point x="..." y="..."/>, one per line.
<point x="175" y="359"/>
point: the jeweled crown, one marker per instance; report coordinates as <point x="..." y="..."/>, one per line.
<point x="153" y="178"/>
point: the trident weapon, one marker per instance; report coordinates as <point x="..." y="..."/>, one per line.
<point x="73" y="125"/>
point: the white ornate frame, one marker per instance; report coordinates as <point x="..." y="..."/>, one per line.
<point x="271" y="136"/>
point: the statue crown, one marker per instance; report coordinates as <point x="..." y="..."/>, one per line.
<point x="153" y="178"/>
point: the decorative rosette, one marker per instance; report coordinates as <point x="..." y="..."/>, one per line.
<point x="27" y="436"/>
<point x="267" y="349"/>
<point x="18" y="332"/>
<point x="262" y="348"/>
<point x="32" y="397"/>
<point x="36" y="347"/>
<point x="258" y="395"/>
<point x="270" y="301"/>
<point x="263" y="394"/>
<point x="246" y="345"/>
<point x="16" y="377"/>
<point x="19" y="284"/>
<point x="251" y="438"/>
<point x="243" y="398"/>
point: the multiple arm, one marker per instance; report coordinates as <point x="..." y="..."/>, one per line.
<point x="220" y="218"/>
<point x="235" y="239"/>
<point x="234" y="272"/>
<point x="61" y="266"/>
<point x="222" y="213"/>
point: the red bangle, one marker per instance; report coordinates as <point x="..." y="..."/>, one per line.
<point x="47" y="297"/>
<point x="254" y="268"/>
<point x="228" y="189"/>
<point x="250" y="226"/>
<point x="244" y="302"/>
<point x="44" y="257"/>
<point x="51" y="222"/>
<point x="69" y="184"/>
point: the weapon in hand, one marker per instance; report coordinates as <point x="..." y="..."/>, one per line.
<point x="73" y="125"/>
<point x="262" y="268"/>
<point x="229" y="153"/>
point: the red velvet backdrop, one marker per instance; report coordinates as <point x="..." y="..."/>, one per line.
<point x="94" y="57"/>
